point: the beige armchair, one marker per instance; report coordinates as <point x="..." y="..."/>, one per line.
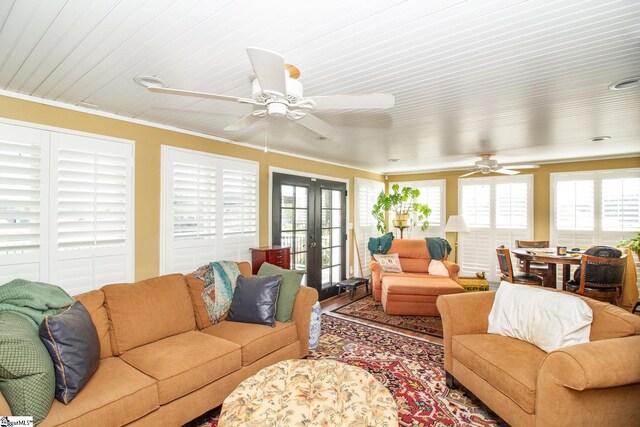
<point x="592" y="384"/>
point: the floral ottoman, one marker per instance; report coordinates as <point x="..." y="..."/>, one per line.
<point x="310" y="393"/>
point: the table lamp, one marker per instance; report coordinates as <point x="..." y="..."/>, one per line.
<point x="456" y="224"/>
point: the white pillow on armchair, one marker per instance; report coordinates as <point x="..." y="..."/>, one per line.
<point x="547" y="319"/>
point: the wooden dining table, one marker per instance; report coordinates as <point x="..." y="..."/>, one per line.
<point x="549" y="256"/>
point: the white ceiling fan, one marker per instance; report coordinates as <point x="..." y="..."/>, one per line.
<point x="487" y="165"/>
<point x="276" y="89"/>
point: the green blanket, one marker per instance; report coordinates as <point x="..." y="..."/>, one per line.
<point x="438" y="247"/>
<point x="380" y="245"/>
<point x="33" y="300"/>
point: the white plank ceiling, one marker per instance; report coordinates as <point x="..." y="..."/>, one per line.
<point x="527" y="80"/>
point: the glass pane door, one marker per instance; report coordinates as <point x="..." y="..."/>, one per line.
<point x="294" y="214"/>
<point x="309" y="216"/>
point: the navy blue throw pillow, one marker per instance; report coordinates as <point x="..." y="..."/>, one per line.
<point x="254" y="300"/>
<point x="72" y="341"/>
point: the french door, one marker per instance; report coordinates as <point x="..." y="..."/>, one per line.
<point x="309" y="216"/>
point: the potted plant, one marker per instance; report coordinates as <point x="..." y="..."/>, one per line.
<point x="633" y="244"/>
<point x="403" y="202"/>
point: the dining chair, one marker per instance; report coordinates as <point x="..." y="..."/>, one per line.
<point x="506" y="269"/>
<point x="539" y="268"/>
<point x="600" y="278"/>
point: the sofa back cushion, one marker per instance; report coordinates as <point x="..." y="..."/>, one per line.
<point x="610" y="321"/>
<point x="147" y="311"/>
<point x="93" y="301"/>
<point x="196" y="286"/>
<point x="413" y="253"/>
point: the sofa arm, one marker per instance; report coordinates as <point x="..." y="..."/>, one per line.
<point x="5" y="410"/>
<point x="305" y="300"/>
<point x="453" y="269"/>
<point x="463" y="314"/>
<point x="596" y="383"/>
<point x="598" y="364"/>
<point x="376" y="280"/>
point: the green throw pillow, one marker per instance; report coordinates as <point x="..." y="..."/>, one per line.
<point x="288" y="290"/>
<point x="27" y="378"/>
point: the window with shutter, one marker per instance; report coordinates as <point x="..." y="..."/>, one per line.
<point x="209" y="209"/>
<point x="23" y="203"/>
<point x="239" y="190"/>
<point x="366" y="193"/>
<point x="595" y="207"/>
<point x="498" y="211"/>
<point x="432" y="193"/>
<point x="92" y="215"/>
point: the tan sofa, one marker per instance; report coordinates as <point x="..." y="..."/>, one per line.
<point x="414" y="291"/>
<point x="162" y="362"/>
<point x="592" y="384"/>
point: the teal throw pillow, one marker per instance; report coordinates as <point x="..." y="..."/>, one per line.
<point x="27" y="378"/>
<point x="291" y="280"/>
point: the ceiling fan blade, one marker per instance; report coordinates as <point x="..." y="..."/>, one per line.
<point x="196" y="94"/>
<point x="269" y="68"/>
<point x="243" y="123"/>
<point x="318" y="126"/>
<point x="524" y="166"/>
<point x="469" y="174"/>
<point x="504" y="171"/>
<point x="353" y="102"/>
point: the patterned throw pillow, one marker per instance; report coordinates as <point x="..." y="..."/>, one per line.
<point x="389" y="263"/>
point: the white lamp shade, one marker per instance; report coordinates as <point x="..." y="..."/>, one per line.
<point x="456" y="224"/>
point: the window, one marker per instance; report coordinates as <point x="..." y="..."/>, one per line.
<point x="595" y="207"/>
<point x="67" y="208"/>
<point x="498" y="211"/>
<point x="432" y="193"/>
<point x="209" y="209"/>
<point x="366" y="194"/>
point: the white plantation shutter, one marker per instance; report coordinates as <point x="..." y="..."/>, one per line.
<point x="194" y="201"/>
<point x="92" y="212"/>
<point x="239" y="190"/>
<point x="23" y="203"/>
<point x="209" y="209"/>
<point x="498" y="211"/>
<point x="432" y="193"/>
<point x="366" y="194"/>
<point x="595" y="207"/>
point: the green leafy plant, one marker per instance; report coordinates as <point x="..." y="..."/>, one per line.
<point x="633" y="243"/>
<point x="403" y="202"/>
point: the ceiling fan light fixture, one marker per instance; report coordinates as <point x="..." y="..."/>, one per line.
<point x="150" y="81"/>
<point x="628" y="83"/>
<point x="600" y="138"/>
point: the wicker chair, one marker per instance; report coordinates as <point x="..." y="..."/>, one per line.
<point x="506" y="269"/>
<point x="600" y="278"/>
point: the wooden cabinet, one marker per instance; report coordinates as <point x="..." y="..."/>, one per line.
<point x="276" y="255"/>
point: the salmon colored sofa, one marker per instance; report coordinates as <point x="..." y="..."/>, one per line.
<point x="163" y="362"/>
<point x="592" y="384"/>
<point x="414" y="291"/>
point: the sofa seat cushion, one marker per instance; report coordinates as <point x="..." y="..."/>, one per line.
<point x="116" y="394"/>
<point x="508" y="364"/>
<point x="185" y="362"/>
<point x="427" y="285"/>
<point x="256" y="340"/>
<point x="385" y="274"/>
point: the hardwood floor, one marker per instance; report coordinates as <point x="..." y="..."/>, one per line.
<point x="333" y="303"/>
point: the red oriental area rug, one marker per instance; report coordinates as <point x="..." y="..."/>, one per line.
<point x="367" y="309"/>
<point x="412" y="369"/>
